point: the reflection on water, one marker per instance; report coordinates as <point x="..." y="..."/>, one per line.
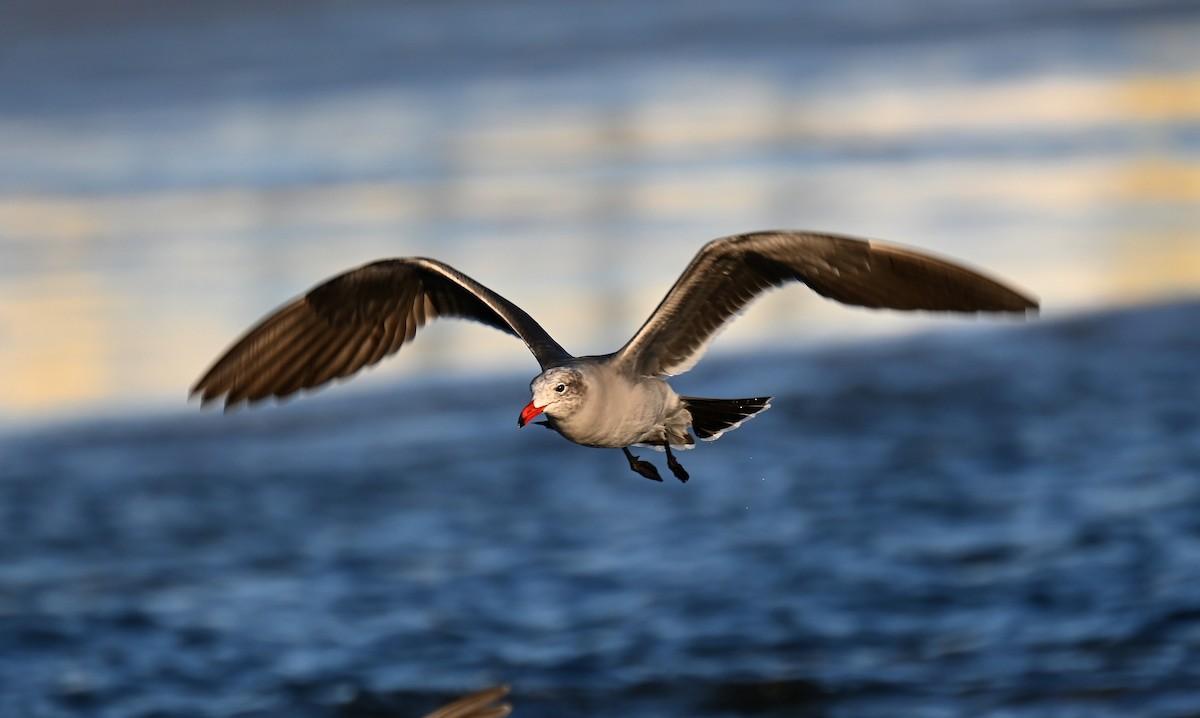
<point x="142" y="226"/>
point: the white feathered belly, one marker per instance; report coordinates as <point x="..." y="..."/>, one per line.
<point x="648" y="412"/>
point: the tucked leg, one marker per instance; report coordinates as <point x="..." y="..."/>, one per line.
<point x="645" y="468"/>
<point x="674" y="465"/>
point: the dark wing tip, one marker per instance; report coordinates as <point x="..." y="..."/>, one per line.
<point x="205" y="392"/>
<point x="899" y="277"/>
<point x="991" y="297"/>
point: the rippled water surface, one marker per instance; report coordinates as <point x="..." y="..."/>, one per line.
<point x="1004" y="521"/>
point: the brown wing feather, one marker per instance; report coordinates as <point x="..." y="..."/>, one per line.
<point x="476" y="705"/>
<point x="891" y="277"/>
<point x="354" y="320"/>
<point x="729" y="273"/>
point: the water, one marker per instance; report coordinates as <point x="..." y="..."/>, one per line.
<point x="994" y="522"/>
<point x="937" y="518"/>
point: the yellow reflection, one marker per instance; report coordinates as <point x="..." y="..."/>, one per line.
<point x="44" y="219"/>
<point x="1163" y="98"/>
<point x="1146" y="264"/>
<point x="57" y="342"/>
<point x="1161" y="180"/>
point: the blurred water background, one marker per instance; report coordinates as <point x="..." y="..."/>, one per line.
<point x="938" y="518"/>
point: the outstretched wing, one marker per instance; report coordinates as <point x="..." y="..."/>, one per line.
<point x="354" y="320"/>
<point x="730" y="272"/>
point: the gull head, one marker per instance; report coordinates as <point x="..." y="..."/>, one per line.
<point x="557" y="392"/>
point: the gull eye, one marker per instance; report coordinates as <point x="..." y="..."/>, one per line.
<point x="560" y="388"/>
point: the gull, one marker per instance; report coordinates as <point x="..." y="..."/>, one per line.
<point x="615" y="400"/>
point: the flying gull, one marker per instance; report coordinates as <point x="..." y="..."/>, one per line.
<point x="613" y="400"/>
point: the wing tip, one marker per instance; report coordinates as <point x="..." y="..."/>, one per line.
<point x="211" y="397"/>
<point x="1021" y="305"/>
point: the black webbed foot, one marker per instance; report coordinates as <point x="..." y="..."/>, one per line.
<point x="645" y="468"/>
<point x="675" y="467"/>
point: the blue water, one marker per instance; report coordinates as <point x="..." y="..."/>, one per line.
<point x="992" y="522"/>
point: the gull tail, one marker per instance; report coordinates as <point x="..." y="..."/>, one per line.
<point x="713" y="417"/>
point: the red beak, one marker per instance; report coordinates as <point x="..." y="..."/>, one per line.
<point x="528" y="413"/>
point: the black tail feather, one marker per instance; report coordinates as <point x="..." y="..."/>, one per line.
<point x="713" y="417"/>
